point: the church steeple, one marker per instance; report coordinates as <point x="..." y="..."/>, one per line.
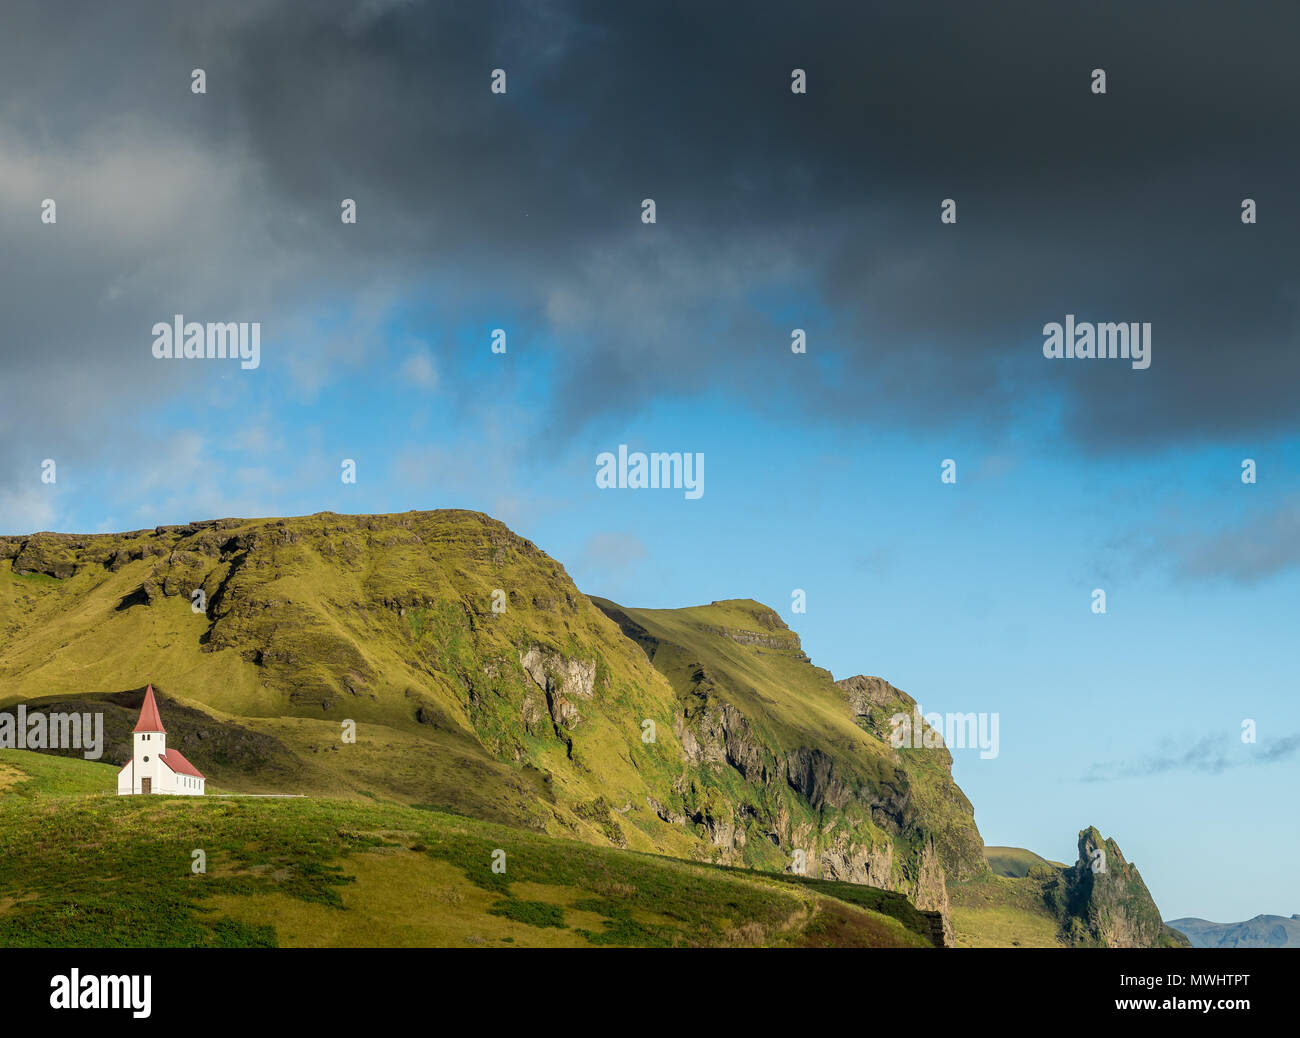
<point x="149" y="719"/>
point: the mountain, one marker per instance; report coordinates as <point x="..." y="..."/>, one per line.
<point x="1101" y="899"/>
<point x="1027" y="901"/>
<point x="1263" y="931"/>
<point x="787" y="758"/>
<point x="481" y="681"/>
<point x="278" y="631"/>
<point x="437" y="660"/>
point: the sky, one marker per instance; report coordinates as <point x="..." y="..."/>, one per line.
<point x="774" y="210"/>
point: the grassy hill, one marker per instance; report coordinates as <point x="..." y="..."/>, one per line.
<point x="483" y="684"/>
<point x="386" y="621"/>
<point x="78" y="869"/>
<point x="1016" y="862"/>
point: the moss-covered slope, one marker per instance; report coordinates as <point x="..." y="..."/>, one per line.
<point x="786" y="760"/>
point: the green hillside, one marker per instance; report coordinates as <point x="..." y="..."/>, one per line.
<point x="481" y="681"/>
<point x="437" y="663"/>
<point x="1015" y="861"/>
<point x="78" y="869"/>
<point x="531" y="716"/>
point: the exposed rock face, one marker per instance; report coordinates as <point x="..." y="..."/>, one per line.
<point x="718" y="733"/>
<point x="812" y="773"/>
<point x="934" y="794"/>
<point x="50" y="554"/>
<point x="1102" y="900"/>
<point x="856" y="809"/>
<point x="562" y="680"/>
<point x="848" y="862"/>
<point x="866" y="692"/>
<point x="932" y="890"/>
<point x="874" y="701"/>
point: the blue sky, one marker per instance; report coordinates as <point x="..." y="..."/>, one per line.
<point x="974" y="596"/>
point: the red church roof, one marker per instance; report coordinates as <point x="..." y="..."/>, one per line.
<point x="149" y="719"/>
<point x="175" y="760"/>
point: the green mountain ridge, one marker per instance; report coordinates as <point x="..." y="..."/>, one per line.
<point x="481" y="681"/>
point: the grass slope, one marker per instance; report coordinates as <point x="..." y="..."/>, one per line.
<point x="482" y="683"/>
<point x="1016" y="861"/>
<point x="80" y="870"/>
<point x="1000" y="911"/>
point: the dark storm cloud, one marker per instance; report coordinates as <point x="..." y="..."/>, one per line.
<point x="774" y="209"/>
<point x="1123" y="207"/>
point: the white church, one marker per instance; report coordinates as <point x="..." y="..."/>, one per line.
<point x="154" y="768"/>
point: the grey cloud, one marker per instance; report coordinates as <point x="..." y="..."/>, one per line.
<point x="1259" y="547"/>
<point x="1208" y="756"/>
<point x="1120" y="207"/>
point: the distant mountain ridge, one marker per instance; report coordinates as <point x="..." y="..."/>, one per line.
<point x="1263" y="931"/>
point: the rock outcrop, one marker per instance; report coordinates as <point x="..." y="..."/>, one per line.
<point x="562" y="680"/>
<point x="1103" y="901"/>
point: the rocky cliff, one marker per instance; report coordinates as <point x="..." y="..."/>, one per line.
<point x="1102" y="900"/>
<point x="788" y="765"/>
